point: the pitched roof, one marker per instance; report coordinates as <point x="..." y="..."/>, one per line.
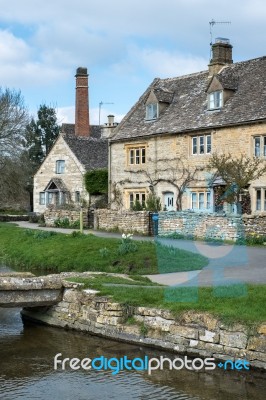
<point x="188" y="110"/>
<point x="69" y="129"/>
<point x="90" y="151"/>
<point x="56" y="183"/>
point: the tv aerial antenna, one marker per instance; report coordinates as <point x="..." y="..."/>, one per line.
<point x="100" y="108"/>
<point x="212" y="23"/>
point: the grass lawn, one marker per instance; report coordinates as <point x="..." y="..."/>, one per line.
<point x="232" y="303"/>
<point x="28" y="249"/>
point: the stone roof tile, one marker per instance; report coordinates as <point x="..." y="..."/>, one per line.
<point x="188" y="110"/>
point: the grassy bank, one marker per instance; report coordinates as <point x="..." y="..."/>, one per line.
<point x="244" y="304"/>
<point x="30" y="249"/>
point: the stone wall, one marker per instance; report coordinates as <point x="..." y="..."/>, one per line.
<point x="9" y="218"/>
<point x="255" y="224"/>
<point x="201" y="225"/>
<point x="50" y="215"/>
<point x="215" y="226"/>
<point x="194" y="334"/>
<point x="123" y="221"/>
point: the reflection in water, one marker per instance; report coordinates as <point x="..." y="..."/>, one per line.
<point x="26" y="369"/>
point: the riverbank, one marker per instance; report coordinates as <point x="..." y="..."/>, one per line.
<point x="193" y="333"/>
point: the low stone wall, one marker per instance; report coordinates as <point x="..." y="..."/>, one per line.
<point x="122" y="221"/>
<point x="73" y="215"/>
<point x="196" y="334"/>
<point x="255" y="224"/>
<point x="201" y="225"/>
<point x="10" y="218"/>
<point x="215" y="226"/>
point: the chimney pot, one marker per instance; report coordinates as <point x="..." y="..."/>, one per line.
<point x="110" y="120"/>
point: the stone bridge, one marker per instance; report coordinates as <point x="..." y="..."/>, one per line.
<point x="27" y="290"/>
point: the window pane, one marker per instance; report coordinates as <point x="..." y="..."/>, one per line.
<point x="131" y="157"/>
<point x="208" y="200"/>
<point x="137" y="196"/>
<point x="211" y="101"/>
<point x="77" y="197"/>
<point x="131" y="200"/>
<point x="151" y="111"/>
<point x="143" y="199"/>
<point x="137" y="156"/>
<point x="257" y="146"/>
<point x="201" y="201"/>
<point x="201" y="146"/>
<point x="193" y="200"/>
<point x="60" y="166"/>
<point x="208" y="144"/>
<point x="49" y="198"/>
<point x="194" y="145"/>
<point x="264" y="146"/>
<point x="42" y="198"/>
<point x="258" y="199"/>
<point x="143" y="155"/>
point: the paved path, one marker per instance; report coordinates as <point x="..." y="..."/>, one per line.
<point x="228" y="264"/>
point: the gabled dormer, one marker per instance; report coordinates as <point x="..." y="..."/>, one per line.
<point x="221" y="87"/>
<point x="157" y="101"/>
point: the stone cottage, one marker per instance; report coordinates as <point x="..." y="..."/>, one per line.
<point x="172" y="130"/>
<point x="79" y="148"/>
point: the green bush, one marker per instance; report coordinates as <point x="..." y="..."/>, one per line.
<point x="137" y="206"/>
<point x="65" y="223"/>
<point x="153" y="203"/>
<point x="96" y="181"/>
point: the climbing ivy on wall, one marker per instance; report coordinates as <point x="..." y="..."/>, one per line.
<point x="96" y="181"/>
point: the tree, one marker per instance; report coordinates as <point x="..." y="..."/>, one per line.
<point x="14" y="181"/>
<point x="237" y="173"/>
<point x="172" y="171"/>
<point x="41" y="134"/>
<point x="13" y="120"/>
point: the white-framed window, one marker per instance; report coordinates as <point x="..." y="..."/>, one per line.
<point x="135" y="196"/>
<point x="260" y="146"/>
<point x="201" y="200"/>
<point x="42" y="198"/>
<point x="201" y="144"/>
<point x="137" y="155"/>
<point x="152" y="111"/>
<point x="260" y="198"/>
<point x="215" y="100"/>
<point x="60" y="166"/>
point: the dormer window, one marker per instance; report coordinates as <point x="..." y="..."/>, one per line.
<point x="215" y="100"/>
<point x="152" y="111"/>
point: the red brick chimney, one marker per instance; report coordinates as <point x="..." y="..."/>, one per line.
<point x="82" y="122"/>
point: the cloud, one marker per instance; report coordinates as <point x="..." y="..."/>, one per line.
<point x="162" y="63"/>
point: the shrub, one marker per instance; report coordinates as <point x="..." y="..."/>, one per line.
<point x="153" y="203"/>
<point x="96" y="181"/>
<point x="137" y="206"/>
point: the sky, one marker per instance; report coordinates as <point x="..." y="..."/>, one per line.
<point x="124" y="44"/>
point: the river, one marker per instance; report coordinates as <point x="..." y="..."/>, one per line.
<point x="26" y="369"/>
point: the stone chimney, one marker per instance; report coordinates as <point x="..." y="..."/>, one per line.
<point x="221" y="55"/>
<point x="82" y="122"/>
